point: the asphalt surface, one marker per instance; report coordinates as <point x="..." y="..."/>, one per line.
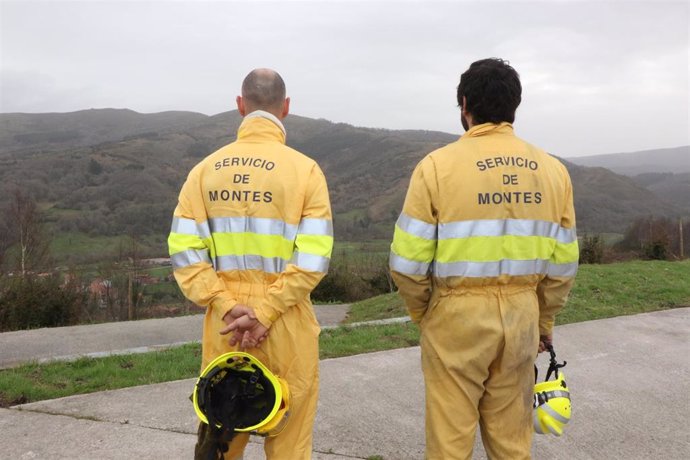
<point x="629" y="378"/>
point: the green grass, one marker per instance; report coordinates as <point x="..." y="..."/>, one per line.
<point x="601" y="291"/>
<point x="379" y="307"/>
<point x="75" y="247"/>
<point x="627" y="288"/>
<point x="36" y="382"/>
<point x="347" y="341"/>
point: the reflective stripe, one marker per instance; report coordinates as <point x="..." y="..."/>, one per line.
<point x="556" y="394"/>
<point x="564" y="270"/>
<point x="491" y="269"/>
<point x="498" y="268"/>
<point x="234" y="244"/>
<point x="311" y="226"/>
<point x="311" y="262"/>
<point x="189" y="257"/>
<point x="489" y="249"/>
<point x="258" y="225"/>
<point x="537" y="424"/>
<point x="252" y="243"/>
<point x="407" y="266"/>
<point x="178" y="242"/>
<point x="546" y="408"/>
<point x="412" y="247"/>
<point x="314" y="244"/>
<point x="250" y="262"/>
<point x="566" y="253"/>
<point x="190" y="227"/>
<point x="416" y="227"/>
<point x="501" y="227"/>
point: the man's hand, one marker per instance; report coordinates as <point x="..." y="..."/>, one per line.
<point x="544" y="341"/>
<point x="247" y="330"/>
<point x="251" y="338"/>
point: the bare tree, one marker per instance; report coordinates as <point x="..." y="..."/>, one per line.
<point x="26" y="231"/>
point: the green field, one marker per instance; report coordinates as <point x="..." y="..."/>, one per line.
<point x="601" y="291"/>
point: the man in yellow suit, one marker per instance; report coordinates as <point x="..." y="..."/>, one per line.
<point x="251" y="238"/>
<point x="484" y="254"/>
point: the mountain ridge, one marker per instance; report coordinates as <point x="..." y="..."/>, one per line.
<point x="127" y="179"/>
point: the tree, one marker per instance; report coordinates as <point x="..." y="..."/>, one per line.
<point x="26" y="232"/>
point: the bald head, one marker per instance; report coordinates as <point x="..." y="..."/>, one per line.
<point x="263" y="89"/>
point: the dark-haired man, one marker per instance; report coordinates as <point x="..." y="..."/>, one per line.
<point x="484" y="254"/>
<point x="251" y="238"/>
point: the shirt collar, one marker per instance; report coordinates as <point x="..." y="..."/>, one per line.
<point x="489" y="128"/>
<point x="269" y="116"/>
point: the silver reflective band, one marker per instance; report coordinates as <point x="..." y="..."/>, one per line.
<point x="546" y="408"/>
<point x="416" y="227"/>
<point x="190" y="227"/>
<point x="258" y="225"/>
<point x="501" y="227"/>
<point x="564" y="270"/>
<point x="250" y="262"/>
<point x="189" y="257"/>
<point x="311" y="226"/>
<point x="407" y="266"/>
<point x="556" y="394"/>
<point x="311" y="262"/>
<point x="491" y="269"/>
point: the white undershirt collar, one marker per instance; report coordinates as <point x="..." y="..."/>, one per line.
<point x="270" y="116"/>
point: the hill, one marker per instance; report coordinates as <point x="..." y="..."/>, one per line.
<point x="101" y="184"/>
<point x="673" y="160"/>
<point x="32" y="132"/>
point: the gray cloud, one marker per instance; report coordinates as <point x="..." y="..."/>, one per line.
<point x="598" y="77"/>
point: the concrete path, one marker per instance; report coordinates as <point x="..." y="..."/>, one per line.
<point x="66" y="343"/>
<point x="629" y="378"/>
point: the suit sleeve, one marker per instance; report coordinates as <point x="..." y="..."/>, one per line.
<point x="190" y="248"/>
<point x="415" y="241"/>
<point x="553" y="290"/>
<point x="311" y="253"/>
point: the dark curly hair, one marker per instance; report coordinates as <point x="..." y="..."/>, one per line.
<point x="492" y="90"/>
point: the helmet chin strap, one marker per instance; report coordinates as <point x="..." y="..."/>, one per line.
<point x="553" y="364"/>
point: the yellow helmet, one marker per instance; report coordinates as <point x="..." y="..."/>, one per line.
<point x="552" y="407"/>
<point x="237" y="393"/>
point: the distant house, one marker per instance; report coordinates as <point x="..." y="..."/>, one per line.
<point x="101" y="290"/>
<point x="158" y="261"/>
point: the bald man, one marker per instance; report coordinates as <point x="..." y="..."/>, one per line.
<point x="251" y="238"/>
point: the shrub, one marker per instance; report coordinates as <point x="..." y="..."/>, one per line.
<point x="354" y="278"/>
<point x="32" y="302"/>
<point x="592" y="249"/>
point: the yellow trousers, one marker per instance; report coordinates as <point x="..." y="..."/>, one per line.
<point x="478" y="350"/>
<point x="291" y="351"/>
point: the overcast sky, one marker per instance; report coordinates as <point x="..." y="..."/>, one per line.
<point x="598" y="77"/>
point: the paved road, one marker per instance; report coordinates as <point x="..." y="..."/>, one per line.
<point x="629" y="377"/>
<point x="62" y="343"/>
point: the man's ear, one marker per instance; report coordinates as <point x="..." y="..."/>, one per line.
<point x="286" y="108"/>
<point x="240" y="106"/>
<point x="464" y="105"/>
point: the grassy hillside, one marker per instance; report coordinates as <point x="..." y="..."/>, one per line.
<point x="600" y="291"/>
<point x="672" y="188"/>
<point x="673" y="160"/>
<point x="121" y="172"/>
<point x="24" y="132"/>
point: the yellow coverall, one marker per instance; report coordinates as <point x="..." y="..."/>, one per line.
<point x="253" y="226"/>
<point x="484" y="255"/>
